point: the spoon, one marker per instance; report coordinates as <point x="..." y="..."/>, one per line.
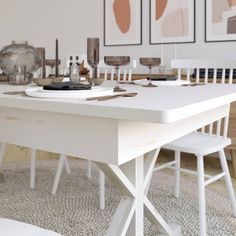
<point x="109" y="97"/>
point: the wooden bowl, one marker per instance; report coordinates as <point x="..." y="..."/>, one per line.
<point x="96" y="82"/>
<point x="3" y="78"/>
<point x="56" y="79"/>
<point x="42" y="82"/>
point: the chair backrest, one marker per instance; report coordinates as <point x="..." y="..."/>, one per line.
<point x="104" y="70"/>
<point x="204" y="67"/>
<point x="211" y="71"/>
<point x="109" y="72"/>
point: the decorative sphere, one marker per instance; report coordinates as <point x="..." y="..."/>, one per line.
<point x="19" y="53"/>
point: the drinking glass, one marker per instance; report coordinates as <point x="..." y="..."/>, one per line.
<point x="93" y="55"/>
<point x="52" y="64"/>
<point x="162" y="68"/>
<point x="117" y="61"/>
<point x="19" y="73"/>
<point x="150" y="62"/>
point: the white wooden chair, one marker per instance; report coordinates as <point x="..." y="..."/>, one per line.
<point x="108" y="72"/>
<point x="14" y="228"/>
<point x="32" y="166"/>
<point x="63" y="161"/>
<point x="33" y="158"/>
<point x="210" y="139"/>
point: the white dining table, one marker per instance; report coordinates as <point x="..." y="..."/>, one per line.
<point x="123" y="136"/>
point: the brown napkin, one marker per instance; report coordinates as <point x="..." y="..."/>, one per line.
<point x="162" y="78"/>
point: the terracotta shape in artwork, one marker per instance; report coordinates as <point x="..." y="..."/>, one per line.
<point x="122" y="12"/>
<point x="160" y="8"/>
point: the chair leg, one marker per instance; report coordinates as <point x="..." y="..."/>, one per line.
<point x="2" y="151"/>
<point x="233" y="157"/>
<point x="32" y="168"/>
<point x="228" y="182"/>
<point x="89" y="169"/>
<point x="102" y="189"/>
<point x="177" y="174"/>
<point x="58" y="174"/>
<point x="201" y="195"/>
<point x="67" y="165"/>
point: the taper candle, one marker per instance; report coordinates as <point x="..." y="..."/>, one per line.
<point x="162" y="55"/>
<point x="57" y="61"/>
<point x="175" y="50"/>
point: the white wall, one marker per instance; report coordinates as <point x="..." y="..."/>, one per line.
<point x="73" y="21"/>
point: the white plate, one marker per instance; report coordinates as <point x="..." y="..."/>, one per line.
<point x="39" y="92"/>
<point x="163" y="83"/>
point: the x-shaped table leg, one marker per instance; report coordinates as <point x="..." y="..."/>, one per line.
<point x="133" y="180"/>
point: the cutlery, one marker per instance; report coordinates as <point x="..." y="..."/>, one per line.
<point x="109" y="97"/>
<point x="193" y="84"/>
<point x="14" y="92"/>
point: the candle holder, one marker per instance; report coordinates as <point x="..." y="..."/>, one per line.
<point x="57" y="60"/>
<point x="93" y="55"/>
<point x="42" y="52"/>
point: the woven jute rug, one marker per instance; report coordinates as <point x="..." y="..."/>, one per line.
<point x="74" y="210"/>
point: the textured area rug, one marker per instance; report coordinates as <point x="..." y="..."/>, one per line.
<point x="74" y="210"/>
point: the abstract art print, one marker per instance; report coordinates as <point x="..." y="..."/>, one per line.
<point x="220" y="18"/>
<point x="122" y="22"/>
<point x="172" y="21"/>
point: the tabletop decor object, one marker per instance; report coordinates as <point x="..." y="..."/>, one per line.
<point x="82" y="69"/>
<point x="93" y="55"/>
<point x="122" y="22"/>
<point x="95" y="82"/>
<point x="42" y="81"/>
<point x="117" y="61"/>
<point x="3" y="78"/>
<point x="172" y="21"/>
<point x="56" y="77"/>
<point x="74" y="73"/>
<point x="43" y="55"/>
<point x="150" y="62"/>
<point x="57" y="60"/>
<point x="19" y="61"/>
<point x="52" y="63"/>
<point x="220" y="20"/>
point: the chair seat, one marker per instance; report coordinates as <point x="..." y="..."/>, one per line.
<point x="198" y="143"/>
<point x="16" y="228"/>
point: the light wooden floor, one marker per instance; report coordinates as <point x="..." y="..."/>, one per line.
<point x="212" y="165"/>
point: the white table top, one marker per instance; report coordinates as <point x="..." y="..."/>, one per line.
<point x="158" y="105"/>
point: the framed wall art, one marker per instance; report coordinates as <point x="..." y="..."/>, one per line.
<point x="220" y="20"/>
<point x="172" y="21"/>
<point x="122" y="22"/>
